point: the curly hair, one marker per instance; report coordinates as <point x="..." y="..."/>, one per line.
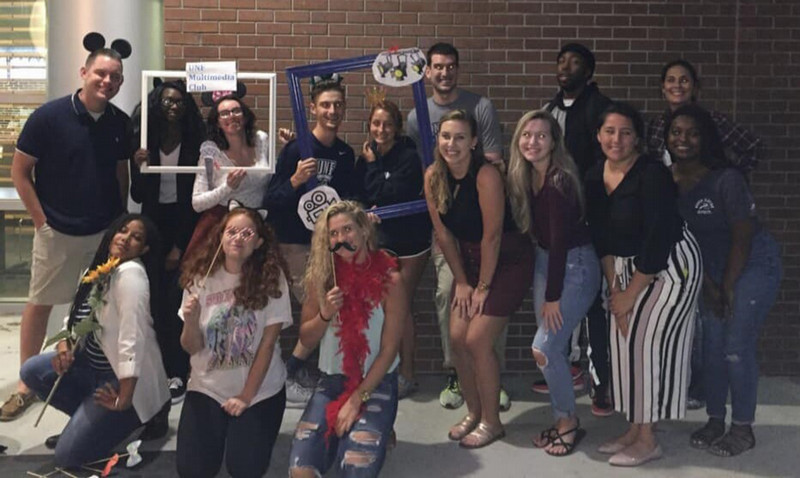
<point x="261" y="272"/>
<point x="216" y="135"/>
<point x="521" y="173"/>
<point x="440" y="189"/>
<point x="318" y="278"/>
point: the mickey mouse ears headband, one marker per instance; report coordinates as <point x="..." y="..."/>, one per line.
<point x="322" y="81"/>
<point x="181" y="83"/>
<point x="210" y="98"/>
<point x="94" y="41"/>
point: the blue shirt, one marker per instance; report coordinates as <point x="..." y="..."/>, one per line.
<point x="710" y="208"/>
<point x="335" y="167"/>
<point x="76" y="163"/>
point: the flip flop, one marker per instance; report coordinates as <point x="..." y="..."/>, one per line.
<point x="463" y="428"/>
<point x="484" y="436"/>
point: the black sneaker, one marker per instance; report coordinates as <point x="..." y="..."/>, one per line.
<point x="177" y="390"/>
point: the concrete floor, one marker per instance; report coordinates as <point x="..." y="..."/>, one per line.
<point x="424" y="451"/>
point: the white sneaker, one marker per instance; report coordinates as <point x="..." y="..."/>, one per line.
<point x="177" y="390"/>
<point x="297" y="396"/>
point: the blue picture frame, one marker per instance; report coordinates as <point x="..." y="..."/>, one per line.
<point x="295" y="74"/>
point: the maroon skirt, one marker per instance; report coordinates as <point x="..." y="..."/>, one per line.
<point x="202" y="231"/>
<point x="513" y="275"/>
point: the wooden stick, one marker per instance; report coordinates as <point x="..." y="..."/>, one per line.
<point x="333" y="268"/>
<point x="213" y="260"/>
<point x="94" y="470"/>
<point x="67" y="473"/>
<point x="49" y="397"/>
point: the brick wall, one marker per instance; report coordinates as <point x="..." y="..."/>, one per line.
<point x="748" y="54"/>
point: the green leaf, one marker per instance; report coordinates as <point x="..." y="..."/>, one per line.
<point x="64" y="334"/>
<point x="86" y="326"/>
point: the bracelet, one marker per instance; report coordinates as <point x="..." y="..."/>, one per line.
<point x="322" y="317"/>
<point x="482" y="286"/>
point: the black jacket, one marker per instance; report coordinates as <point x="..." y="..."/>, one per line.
<point x="581" y="125"/>
<point x="145" y="188"/>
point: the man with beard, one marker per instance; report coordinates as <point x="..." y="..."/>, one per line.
<point x="577" y="106"/>
<point x="442" y="73"/>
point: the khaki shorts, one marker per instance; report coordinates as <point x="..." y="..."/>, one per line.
<point x="57" y="263"/>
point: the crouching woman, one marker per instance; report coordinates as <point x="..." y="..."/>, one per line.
<point x="354" y="310"/>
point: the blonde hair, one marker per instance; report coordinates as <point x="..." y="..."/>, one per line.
<point x="521" y="173"/>
<point x="318" y="278"/>
<point x="440" y="189"/>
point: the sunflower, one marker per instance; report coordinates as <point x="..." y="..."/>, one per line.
<point x="101" y="270"/>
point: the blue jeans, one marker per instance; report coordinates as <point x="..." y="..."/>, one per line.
<point x="92" y="431"/>
<point x="361" y="451"/>
<point x="729" y="346"/>
<point x="581" y="284"/>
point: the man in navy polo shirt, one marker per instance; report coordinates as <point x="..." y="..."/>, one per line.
<point x="77" y="149"/>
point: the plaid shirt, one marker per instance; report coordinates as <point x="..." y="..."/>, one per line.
<point x="738" y="140"/>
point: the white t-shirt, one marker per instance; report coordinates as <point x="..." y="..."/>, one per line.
<point x="231" y="335"/>
<point x="168" y="192"/>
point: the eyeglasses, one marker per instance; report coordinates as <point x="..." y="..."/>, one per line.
<point x="229" y="113"/>
<point x="167" y="102"/>
<point x="245" y="234"/>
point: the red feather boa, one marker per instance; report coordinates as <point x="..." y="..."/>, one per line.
<point x="363" y="286"/>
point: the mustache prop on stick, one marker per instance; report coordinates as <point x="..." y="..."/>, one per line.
<point x="344" y="244"/>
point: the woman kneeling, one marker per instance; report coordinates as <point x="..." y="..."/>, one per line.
<point x="354" y="310"/>
<point x="233" y="310"/>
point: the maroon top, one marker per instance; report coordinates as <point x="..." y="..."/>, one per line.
<point x="558" y="227"/>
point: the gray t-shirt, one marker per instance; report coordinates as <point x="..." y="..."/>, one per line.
<point x="489" y="133"/>
<point x="710" y="208"/>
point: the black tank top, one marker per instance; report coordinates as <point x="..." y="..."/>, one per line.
<point x="463" y="218"/>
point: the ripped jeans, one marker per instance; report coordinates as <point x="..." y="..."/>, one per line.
<point x="581" y="283"/>
<point x="360" y="452"/>
<point x="730" y="345"/>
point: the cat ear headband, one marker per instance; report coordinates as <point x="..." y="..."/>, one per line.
<point x="94" y="41"/>
<point x="319" y="81"/>
<point x="233" y="204"/>
<point x="210" y="98"/>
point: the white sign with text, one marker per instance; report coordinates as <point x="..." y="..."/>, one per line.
<point x="210" y="76"/>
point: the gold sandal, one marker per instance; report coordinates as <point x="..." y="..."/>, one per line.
<point x="463" y="428"/>
<point x="482" y="435"/>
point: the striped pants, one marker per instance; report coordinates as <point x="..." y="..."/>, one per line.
<point x="650" y="368"/>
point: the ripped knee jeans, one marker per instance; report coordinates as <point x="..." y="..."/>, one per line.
<point x="362" y="450"/>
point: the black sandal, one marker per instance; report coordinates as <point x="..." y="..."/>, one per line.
<point x="547" y="437"/>
<point x="739" y="439"/>
<point x="711" y="432"/>
<point x="558" y="440"/>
